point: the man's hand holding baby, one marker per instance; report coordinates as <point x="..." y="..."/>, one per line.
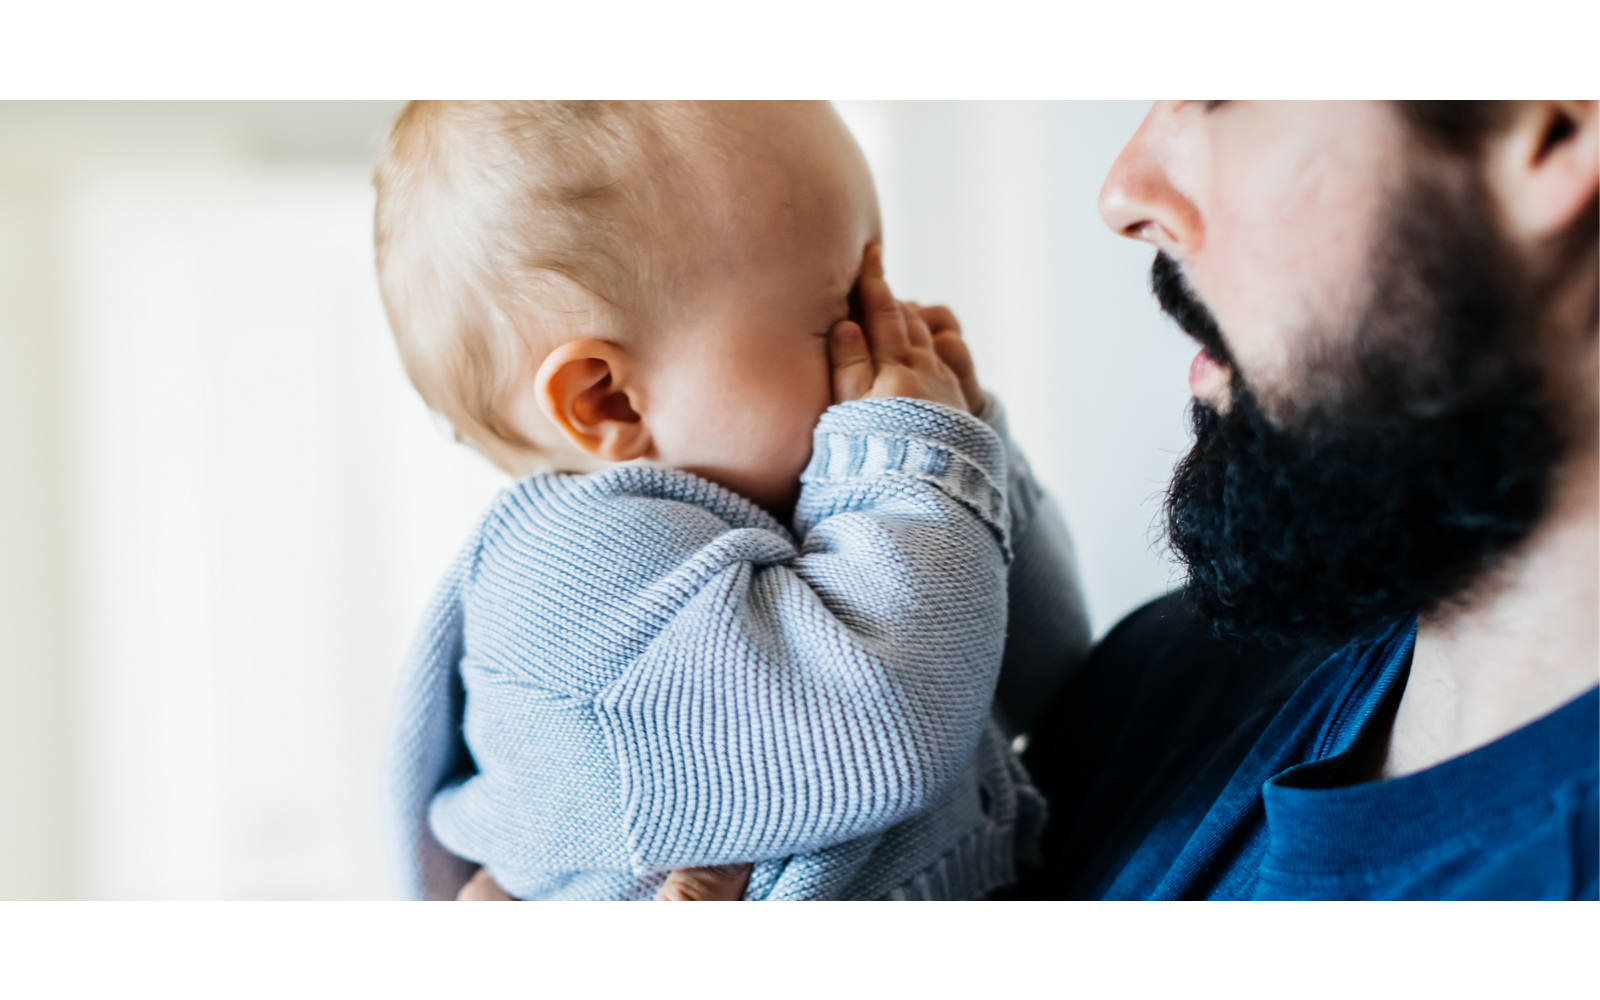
<point x="899" y="353"/>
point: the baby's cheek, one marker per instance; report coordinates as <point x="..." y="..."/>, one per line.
<point x="747" y="420"/>
<point x="792" y="400"/>
<point x="794" y="409"/>
<point x="813" y="393"/>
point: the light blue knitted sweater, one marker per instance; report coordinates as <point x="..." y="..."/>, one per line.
<point x="637" y="670"/>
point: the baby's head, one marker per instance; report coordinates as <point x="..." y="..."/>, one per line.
<point x="578" y="284"/>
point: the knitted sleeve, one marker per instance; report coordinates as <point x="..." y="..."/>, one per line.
<point x="1048" y="623"/>
<point x="809" y="693"/>
<point x="424" y="741"/>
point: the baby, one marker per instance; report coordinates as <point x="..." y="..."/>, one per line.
<point x="759" y="614"/>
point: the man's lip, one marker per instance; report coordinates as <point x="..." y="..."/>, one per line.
<point x="1206" y="375"/>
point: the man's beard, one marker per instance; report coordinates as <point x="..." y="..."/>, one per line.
<point x="1429" y="455"/>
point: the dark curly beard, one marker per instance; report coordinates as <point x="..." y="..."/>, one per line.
<point x="1401" y="494"/>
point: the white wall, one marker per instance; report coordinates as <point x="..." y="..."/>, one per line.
<point x="223" y="507"/>
<point x="253" y="533"/>
<point x="37" y="772"/>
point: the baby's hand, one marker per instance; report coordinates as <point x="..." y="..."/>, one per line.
<point x="952" y="350"/>
<point x="896" y="356"/>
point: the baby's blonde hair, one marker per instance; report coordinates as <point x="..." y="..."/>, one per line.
<point x="502" y="226"/>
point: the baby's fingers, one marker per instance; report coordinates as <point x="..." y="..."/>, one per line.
<point x="853" y="370"/>
<point x="940" y="319"/>
<point x="880" y="313"/>
<point x="952" y="350"/>
<point x="917" y="333"/>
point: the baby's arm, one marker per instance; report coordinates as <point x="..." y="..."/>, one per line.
<point x="781" y="690"/>
<point x="1048" y="624"/>
<point x="805" y="695"/>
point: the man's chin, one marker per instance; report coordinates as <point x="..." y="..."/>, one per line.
<point x="1321" y="530"/>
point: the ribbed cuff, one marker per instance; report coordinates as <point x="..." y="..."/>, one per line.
<point x="863" y="440"/>
<point x="994" y="415"/>
<point x="1022" y="488"/>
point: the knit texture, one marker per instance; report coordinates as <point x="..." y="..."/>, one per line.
<point x="636" y="670"/>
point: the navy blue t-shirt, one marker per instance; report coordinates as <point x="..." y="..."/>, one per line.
<point x="1181" y="767"/>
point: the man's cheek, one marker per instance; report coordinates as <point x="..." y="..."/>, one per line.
<point x="1261" y="326"/>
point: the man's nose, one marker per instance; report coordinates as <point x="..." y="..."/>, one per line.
<point x="1139" y="199"/>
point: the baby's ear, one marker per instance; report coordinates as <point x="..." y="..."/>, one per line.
<point x="584" y="389"/>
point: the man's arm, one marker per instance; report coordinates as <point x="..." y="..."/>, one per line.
<point x="1047" y="623"/>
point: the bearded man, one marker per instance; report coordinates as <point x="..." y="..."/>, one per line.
<point x="1380" y="678"/>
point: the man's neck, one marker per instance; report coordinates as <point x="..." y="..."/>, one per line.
<point x="1519" y="650"/>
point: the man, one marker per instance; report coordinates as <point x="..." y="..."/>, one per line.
<point x="1380" y="679"/>
<point x="1396" y="441"/>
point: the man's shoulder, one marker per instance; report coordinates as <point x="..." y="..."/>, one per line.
<point x="1162" y="708"/>
<point x="1148" y="633"/>
<point x="1166" y="641"/>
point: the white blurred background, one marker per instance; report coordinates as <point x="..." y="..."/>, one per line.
<point x="223" y="506"/>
